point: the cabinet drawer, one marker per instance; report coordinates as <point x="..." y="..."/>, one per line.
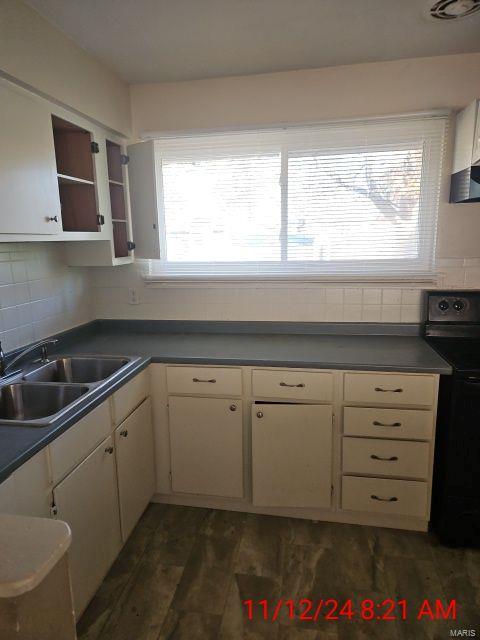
<point x="204" y="380"/>
<point x="397" y="497"/>
<point x="126" y="399"/>
<point x="298" y="385"/>
<point x="73" y="446"/>
<point x="386" y="457"/>
<point x="404" y="424"/>
<point x="388" y="388"/>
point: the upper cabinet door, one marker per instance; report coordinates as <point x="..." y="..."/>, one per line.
<point x="144" y="199"/>
<point x="28" y="182"/>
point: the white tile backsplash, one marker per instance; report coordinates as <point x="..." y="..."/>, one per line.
<point x="306" y="302"/>
<point x="39" y="294"/>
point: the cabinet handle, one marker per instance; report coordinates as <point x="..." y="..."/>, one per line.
<point x="388" y="390"/>
<point x="109" y="450"/>
<point x="233" y="407"/>
<point x="259" y="414"/>
<point x="212" y="381"/>
<point x="299" y="386"/>
<point x="392" y="499"/>
<point x="376" y="423"/>
<point x="124" y="433"/>
<point x="52" y="218"/>
<point x="391" y="459"/>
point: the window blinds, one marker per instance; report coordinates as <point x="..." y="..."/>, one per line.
<point x="353" y="199"/>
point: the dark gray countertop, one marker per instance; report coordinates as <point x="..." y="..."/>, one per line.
<point x="374" y="353"/>
<point x="155" y="342"/>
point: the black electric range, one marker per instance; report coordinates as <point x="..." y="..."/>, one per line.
<point x="452" y="328"/>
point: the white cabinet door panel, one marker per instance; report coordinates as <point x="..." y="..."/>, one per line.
<point x="28" y="179"/>
<point x="206" y="440"/>
<point x="88" y="501"/>
<point x="74" y="445"/>
<point x="28" y="491"/>
<point x="135" y="465"/>
<point x="292" y="455"/>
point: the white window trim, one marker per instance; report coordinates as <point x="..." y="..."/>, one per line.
<point x="158" y="280"/>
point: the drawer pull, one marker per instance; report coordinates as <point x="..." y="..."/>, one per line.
<point x="211" y="381"/>
<point x="376" y="423"/>
<point x="392" y="499"/>
<point x="259" y="414"/>
<point x="124" y="433"/>
<point x="109" y="450"/>
<point x="301" y="385"/>
<point x="388" y="390"/>
<point x="391" y="459"/>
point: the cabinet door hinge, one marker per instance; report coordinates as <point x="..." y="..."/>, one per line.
<point x="94" y="147"/>
<point x="124" y="159"/>
<point x="332" y="490"/>
<point x="54" y="510"/>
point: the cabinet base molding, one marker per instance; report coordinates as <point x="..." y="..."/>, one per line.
<point x="345" y="517"/>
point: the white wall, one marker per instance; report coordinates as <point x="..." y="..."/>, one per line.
<point x="39" y="295"/>
<point x="37" y="54"/>
<point x="300" y="96"/>
<point x="340" y="92"/>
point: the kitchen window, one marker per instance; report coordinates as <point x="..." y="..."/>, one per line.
<point x="342" y="200"/>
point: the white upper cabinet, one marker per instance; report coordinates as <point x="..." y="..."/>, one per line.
<point x="28" y="181"/>
<point x="467" y="137"/>
<point x="144" y="194"/>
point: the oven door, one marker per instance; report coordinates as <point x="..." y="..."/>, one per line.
<point x="461" y="455"/>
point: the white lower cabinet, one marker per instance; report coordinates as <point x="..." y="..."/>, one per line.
<point x="135" y="465"/>
<point x="292" y="455"/>
<point x="206" y="440"/>
<point x="87" y="499"/>
<point x="28" y="491"/>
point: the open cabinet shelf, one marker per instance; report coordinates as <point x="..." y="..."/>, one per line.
<point x="117" y="199"/>
<point x="76" y="176"/>
<point x="79" y="207"/>
<point x="62" y="179"/>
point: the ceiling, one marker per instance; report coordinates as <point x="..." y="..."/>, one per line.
<point x="173" y="40"/>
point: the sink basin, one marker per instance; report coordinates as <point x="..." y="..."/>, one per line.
<point x="84" y="370"/>
<point x="37" y="404"/>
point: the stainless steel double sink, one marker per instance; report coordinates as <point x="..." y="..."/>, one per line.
<point x="46" y="392"/>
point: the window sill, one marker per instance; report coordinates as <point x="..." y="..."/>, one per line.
<point x="164" y="281"/>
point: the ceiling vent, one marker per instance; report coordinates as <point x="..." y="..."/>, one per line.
<point x="453" y="9"/>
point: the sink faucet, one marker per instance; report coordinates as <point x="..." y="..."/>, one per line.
<point x="44" y="358"/>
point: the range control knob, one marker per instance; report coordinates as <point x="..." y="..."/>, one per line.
<point x="443" y="305"/>
<point x="458" y="305"/>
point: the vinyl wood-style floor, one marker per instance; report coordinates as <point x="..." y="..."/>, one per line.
<point x="185" y="572"/>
